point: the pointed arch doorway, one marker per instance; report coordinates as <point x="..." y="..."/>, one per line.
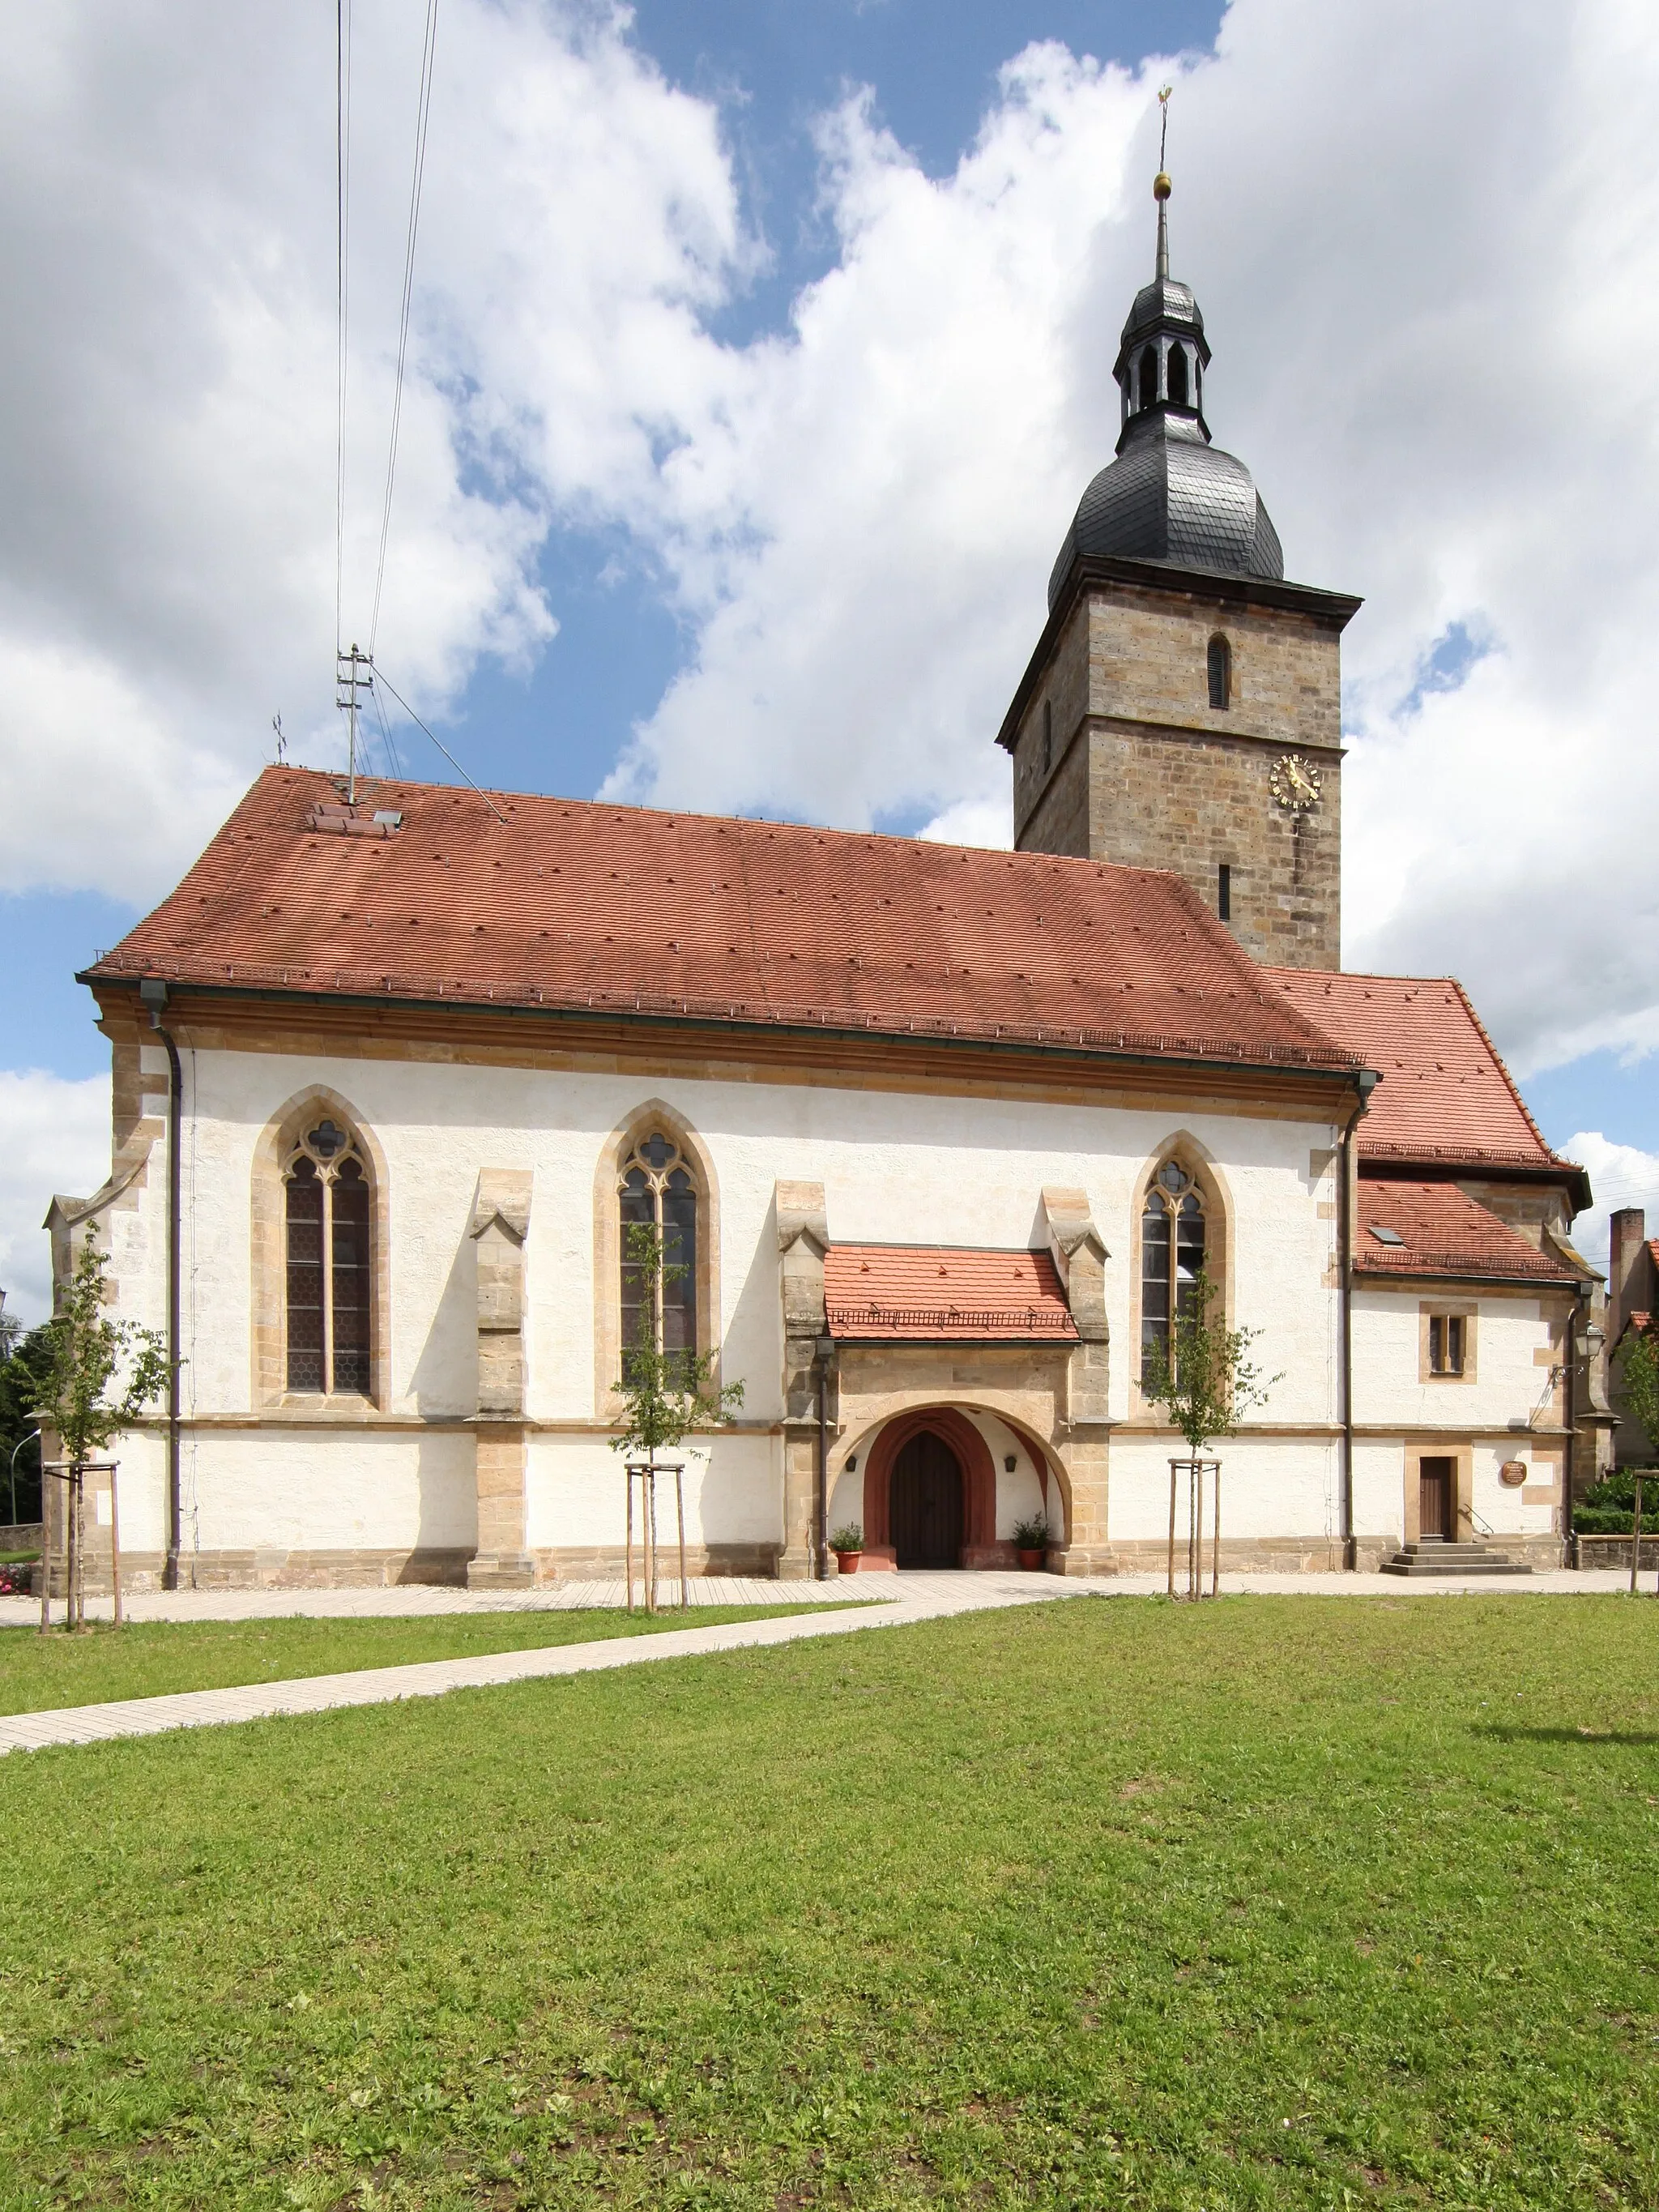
<point x="950" y="1488"/>
<point x="926" y="1505"/>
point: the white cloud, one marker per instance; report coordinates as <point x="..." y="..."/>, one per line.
<point x="54" y="1136"/>
<point x="1620" y="1176"/>
<point x="972" y="822"/>
<point x="166" y="241"/>
<point x="1426" y="243"/>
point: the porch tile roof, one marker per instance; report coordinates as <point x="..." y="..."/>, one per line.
<point x="1443" y="1231"/>
<point x="628" y="910"/>
<point x="932" y="1293"/>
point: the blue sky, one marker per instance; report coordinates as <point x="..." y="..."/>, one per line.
<point x="772" y="68"/>
<point x="760" y="354"/>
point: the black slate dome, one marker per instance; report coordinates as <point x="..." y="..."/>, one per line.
<point x="1170" y="496"/>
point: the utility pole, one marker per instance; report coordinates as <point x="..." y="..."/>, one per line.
<point x="347" y="685"/>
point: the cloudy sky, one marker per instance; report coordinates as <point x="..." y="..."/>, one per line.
<point x="760" y="351"/>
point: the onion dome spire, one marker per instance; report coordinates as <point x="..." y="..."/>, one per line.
<point x="1170" y="496"/>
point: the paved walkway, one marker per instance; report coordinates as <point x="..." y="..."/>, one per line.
<point x="884" y="1601"/>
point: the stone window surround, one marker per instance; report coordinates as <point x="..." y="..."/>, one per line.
<point x="1197" y="1161"/>
<point x="654" y="1114"/>
<point x="1443" y="1310"/>
<point x="268" y="1255"/>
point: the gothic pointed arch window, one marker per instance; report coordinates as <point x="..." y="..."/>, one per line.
<point x="1178" y="376"/>
<point x="1147" y="379"/>
<point x="1174" y="1249"/>
<point x="657" y="1188"/>
<point x="329" y="1279"/>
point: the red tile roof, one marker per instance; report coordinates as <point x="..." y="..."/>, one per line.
<point x="888" y="1293"/>
<point x="1443" y="1231"/>
<point x="1445" y="1095"/>
<point x="625" y="910"/>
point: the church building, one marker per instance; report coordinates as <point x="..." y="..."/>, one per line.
<point x="941" y="1138"/>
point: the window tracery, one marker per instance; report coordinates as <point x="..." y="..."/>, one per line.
<point x="328" y="1277"/>
<point x="1173" y="1242"/>
<point x="657" y="1189"/>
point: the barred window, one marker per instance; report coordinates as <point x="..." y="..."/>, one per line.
<point x="657" y="1190"/>
<point x="329" y="1262"/>
<point x="1172" y="1244"/>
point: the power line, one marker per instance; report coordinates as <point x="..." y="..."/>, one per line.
<point x="442" y="748"/>
<point x="341" y="226"/>
<point x="385" y="735"/>
<point x="424" y="109"/>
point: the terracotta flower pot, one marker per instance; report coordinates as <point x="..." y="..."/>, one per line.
<point x="1030" y="1560"/>
<point x="848" y="1561"/>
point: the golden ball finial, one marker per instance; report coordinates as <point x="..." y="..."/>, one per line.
<point x="1161" y="186"/>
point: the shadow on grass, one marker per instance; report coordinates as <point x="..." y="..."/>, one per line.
<point x="1579" y="1736"/>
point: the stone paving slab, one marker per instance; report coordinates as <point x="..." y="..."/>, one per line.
<point x="942" y="1596"/>
<point x="418" y="1600"/>
<point x="886" y="1602"/>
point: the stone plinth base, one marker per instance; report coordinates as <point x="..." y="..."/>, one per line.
<point x="502" y="1571"/>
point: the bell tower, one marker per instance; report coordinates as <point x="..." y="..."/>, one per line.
<point x="1182" y="709"/>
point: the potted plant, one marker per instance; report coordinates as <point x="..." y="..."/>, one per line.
<point x="847" y="1544"/>
<point x="1032" y="1541"/>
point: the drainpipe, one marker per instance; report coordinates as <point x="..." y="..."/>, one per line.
<point x="826" y="1352"/>
<point x="1368" y="1080"/>
<point x="153" y="994"/>
<point x="1581" y="1331"/>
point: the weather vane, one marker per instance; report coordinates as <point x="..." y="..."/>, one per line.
<point x="1164" y="126"/>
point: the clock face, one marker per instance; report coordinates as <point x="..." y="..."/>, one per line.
<point x="1295" y="783"/>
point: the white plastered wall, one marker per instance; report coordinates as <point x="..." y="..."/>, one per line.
<point x="897" y="1167"/>
<point x="1488" y="1414"/>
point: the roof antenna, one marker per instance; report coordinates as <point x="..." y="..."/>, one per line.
<point x="1161" y="185"/>
<point x="281" y="741"/>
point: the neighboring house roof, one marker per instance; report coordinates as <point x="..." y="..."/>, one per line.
<point x="628" y="910"/>
<point x="1435" y="1229"/>
<point x="1446" y="1094"/>
<point x="886" y="1292"/>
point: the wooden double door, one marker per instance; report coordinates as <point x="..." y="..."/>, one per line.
<point x="925" y="1503"/>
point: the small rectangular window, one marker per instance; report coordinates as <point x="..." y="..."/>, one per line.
<point x="1446" y="1342"/>
<point x="1223" y="896"/>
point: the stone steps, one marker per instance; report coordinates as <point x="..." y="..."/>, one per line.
<point x="1439" y="1555"/>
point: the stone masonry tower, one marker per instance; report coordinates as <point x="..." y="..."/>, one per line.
<point x="1182" y="707"/>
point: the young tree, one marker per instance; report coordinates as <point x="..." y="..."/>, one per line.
<point x="665" y="1393"/>
<point x="22" y="1382"/>
<point x="89" y="1354"/>
<point x="1638" y="1389"/>
<point x="1210" y="1382"/>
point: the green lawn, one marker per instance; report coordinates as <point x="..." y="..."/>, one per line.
<point x="40" y="1674"/>
<point x="1300" y="1901"/>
